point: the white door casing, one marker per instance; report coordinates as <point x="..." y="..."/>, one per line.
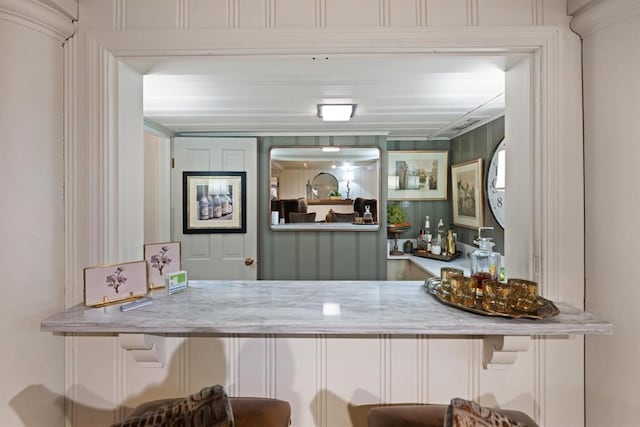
<point x="220" y="255"/>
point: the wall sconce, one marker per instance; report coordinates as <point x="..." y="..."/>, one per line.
<point x="336" y="112"/>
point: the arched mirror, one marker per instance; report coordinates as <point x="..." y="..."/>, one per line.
<point x="323" y="186"/>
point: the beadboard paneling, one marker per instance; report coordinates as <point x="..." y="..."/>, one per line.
<point x="297" y="13"/>
<point x="209" y="14"/>
<point x="498" y="12"/>
<point x="405" y="13"/>
<point x="349" y="381"/>
<point x="253" y="13"/>
<point x="446" y="13"/>
<point x="150" y="14"/>
<point x="354" y="13"/>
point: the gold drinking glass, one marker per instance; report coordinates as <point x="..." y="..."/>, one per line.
<point x="524" y="295"/>
<point x="463" y="290"/>
<point x="496" y="296"/>
<point x="445" y="280"/>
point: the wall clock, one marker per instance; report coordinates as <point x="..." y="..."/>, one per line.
<point x="496" y="183"/>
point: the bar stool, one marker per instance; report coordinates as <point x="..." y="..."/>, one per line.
<point x="246" y="411"/>
<point x="410" y="415"/>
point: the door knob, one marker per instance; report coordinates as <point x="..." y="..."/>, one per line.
<point x="248" y="261"/>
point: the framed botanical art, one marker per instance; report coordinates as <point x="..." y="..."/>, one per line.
<point x="467" y="194"/>
<point x="108" y="284"/>
<point x="214" y="202"/>
<point x="162" y="259"/>
<point x="417" y="175"/>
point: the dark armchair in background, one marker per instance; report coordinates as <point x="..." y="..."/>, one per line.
<point x="359" y="206"/>
<point x="285" y="206"/>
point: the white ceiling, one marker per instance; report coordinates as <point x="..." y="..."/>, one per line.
<point x="404" y="96"/>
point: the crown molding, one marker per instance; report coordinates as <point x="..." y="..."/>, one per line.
<point x="598" y="15"/>
<point x="574" y="6"/>
<point x="477" y="40"/>
<point x="38" y="16"/>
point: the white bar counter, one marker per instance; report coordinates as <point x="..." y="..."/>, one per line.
<point x="310" y="307"/>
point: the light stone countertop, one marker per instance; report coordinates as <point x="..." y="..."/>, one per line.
<point x="310" y="307"/>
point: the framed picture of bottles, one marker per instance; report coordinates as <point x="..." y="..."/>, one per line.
<point x="214" y="202"/>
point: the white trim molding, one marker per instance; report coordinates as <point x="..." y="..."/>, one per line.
<point x="39" y="17"/>
<point x="598" y="15"/>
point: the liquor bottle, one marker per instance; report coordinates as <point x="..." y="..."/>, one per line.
<point x="451" y="243"/>
<point x="485" y="264"/>
<point x="427" y="233"/>
<point x="441" y="233"/>
<point x="367" y="216"/>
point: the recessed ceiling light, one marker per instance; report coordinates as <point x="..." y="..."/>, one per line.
<point x="336" y="112"/>
<point x="330" y="149"/>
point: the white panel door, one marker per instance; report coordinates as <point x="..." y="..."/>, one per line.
<point x="225" y="255"/>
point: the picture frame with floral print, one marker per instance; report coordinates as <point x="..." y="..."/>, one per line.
<point x="108" y="284"/>
<point x="162" y="259"/>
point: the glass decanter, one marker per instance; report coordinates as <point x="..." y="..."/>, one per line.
<point x="367" y="217"/>
<point x="485" y="263"/>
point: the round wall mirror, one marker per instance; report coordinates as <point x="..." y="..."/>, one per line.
<point x="323" y="184"/>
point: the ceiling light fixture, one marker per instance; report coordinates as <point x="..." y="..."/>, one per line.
<point x="336" y="112"/>
<point x="330" y="149"/>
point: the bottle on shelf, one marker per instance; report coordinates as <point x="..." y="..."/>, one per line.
<point x="485" y="263"/>
<point x="439" y="245"/>
<point x="428" y="236"/>
<point x="422" y="240"/>
<point x="451" y="243"/>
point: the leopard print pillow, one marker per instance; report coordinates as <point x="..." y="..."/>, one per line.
<point x="208" y="408"/>
<point x="466" y="413"/>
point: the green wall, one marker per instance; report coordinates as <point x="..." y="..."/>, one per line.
<point x="479" y="143"/>
<point x="319" y="255"/>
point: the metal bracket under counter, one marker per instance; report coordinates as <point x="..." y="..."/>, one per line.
<point x="147" y="350"/>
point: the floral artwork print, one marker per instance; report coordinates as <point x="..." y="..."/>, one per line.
<point x="160" y="260"/>
<point x="106" y="284"/>
<point x="116" y="279"/>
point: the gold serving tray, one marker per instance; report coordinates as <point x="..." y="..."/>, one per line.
<point x="546" y="308"/>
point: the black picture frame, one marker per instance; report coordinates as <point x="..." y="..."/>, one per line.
<point x="224" y="196"/>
